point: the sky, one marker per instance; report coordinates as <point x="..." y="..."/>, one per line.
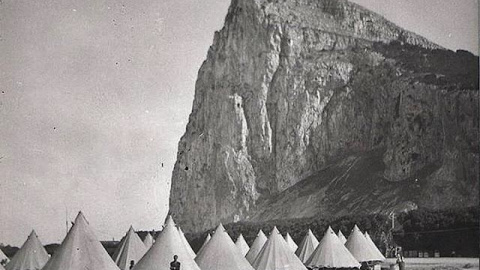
<point x="95" y="95"/>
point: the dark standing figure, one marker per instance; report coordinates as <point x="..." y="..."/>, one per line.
<point x="175" y="265"/>
<point x="132" y="263"/>
<point x="364" y="266"/>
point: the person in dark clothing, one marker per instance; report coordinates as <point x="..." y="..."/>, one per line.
<point x="175" y="265"/>
<point x="132" y="263"/>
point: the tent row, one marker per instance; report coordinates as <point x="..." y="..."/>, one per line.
<point x="275" y="252"/>
<point x="79" y="250"/>
<point x="82" y="250"/>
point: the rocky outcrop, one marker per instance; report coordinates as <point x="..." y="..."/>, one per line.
<point x="292" y="88"/>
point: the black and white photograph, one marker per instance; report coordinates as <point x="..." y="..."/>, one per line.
<point x="239" y="135"/>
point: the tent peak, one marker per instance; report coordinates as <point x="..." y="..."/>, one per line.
<point x="169" y="221"/>
<point x="80" y="214"/>
<point x="220" y="227"/>
<point x="277" y="254"/>
<point x="31" y="255"/>
<point x="331" y="253"/>
<point x="32" y="234"/>
<point x="80" y="218"/>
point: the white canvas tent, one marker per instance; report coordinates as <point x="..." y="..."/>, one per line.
<point x="331" y="253"/>
<point x="205" y="242"/>
<point x="220" y="253"/>
<point x="277" y="254"/>
<point x="131" y="248"/>
<point x="290" y="242"/>
<point x="341" y="237"/>
<point x="3" y="258"/>
<point x="167" y="244"/>
<point x="31" y="256"/>
<point x="359" y="247"/>
<point x="148" y="241"/>
<point x="372" y="245"/>
<point x="242" y="245"/>
<point x="187" y="245"/>
<point x="307" y="246"/>
<point x="80" y="250"/>
<point x="256" y="246"/>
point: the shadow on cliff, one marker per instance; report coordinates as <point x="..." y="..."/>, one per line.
<point x="350" y="184"/>
<point x="454" y="70"/>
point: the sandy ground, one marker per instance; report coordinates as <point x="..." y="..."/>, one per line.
<point x="437" y="263"/>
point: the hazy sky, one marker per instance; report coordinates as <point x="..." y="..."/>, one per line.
<point x="95" y="95"/>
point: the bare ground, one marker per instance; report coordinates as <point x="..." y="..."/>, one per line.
<point x="437" y="263"/>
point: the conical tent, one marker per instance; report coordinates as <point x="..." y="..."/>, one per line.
<point x="80" y="250"/>
<point x="290" y="242"/>
<point x="341" y="237"/>
<point x="3" y="258"/>
<point x="307" y="246"/>
<point x="331" y="253"/>
<point x="205" y="242"/>
<point x="167" y="244"/>
<point x="256" y="247"/>
<point x="220" y="253"/>
<point x="187" y="245"/>
<point x="359" y="247"/>
<point x="148" y="241"/>
<point x="242" y="245"/>
<point x="131" y="248"/>
<point x="31" y="256"/>
<point x="277" y="254"/>
<point x="372" y="245"/>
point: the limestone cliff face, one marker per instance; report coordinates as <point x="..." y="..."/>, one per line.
<point x="292" y="88"/>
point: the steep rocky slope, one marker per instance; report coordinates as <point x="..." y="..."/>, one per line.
<point x="326" y="92"/>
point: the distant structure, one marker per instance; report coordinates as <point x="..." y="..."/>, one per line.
<point x="205" y="242"/>
<point x="331" y="253"/>
<point x="290" y="242"/>
<point x="307" y="246"/>
<point x="220" y="253"/>
<point x="242" y="245"/>
<point x="131" y="249"/>
<point x="80" y="250"/>
<point x="256" y="246"/>
<point x="277" y="254"/>
<point x="167" y="244"/>
<point x="358" y="245"/>
<point x="341" y="237"/>
<point x="31" y="256"/>
<point x="187" y="245"/>
<point x="148" y="241"/>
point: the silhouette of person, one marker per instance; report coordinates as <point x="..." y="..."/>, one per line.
<point x="175" y="265"/>
<point x="132" y="263"/>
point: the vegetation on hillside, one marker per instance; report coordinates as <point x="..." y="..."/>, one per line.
<point x="429" y="230"/>
<point x="446" y="231"/>
<point x="453" y="70"/>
